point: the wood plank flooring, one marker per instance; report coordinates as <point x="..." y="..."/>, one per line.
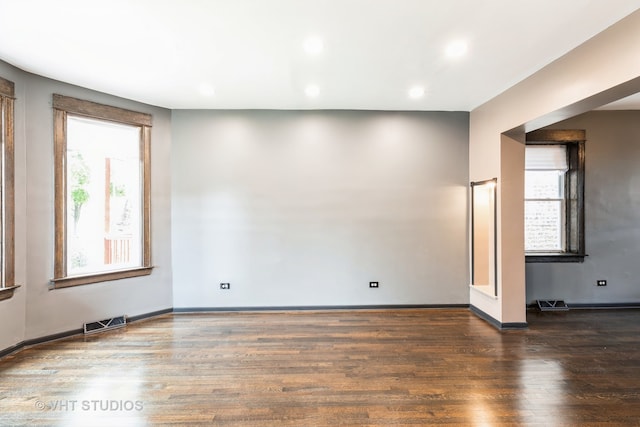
<point x="358" y="368"/>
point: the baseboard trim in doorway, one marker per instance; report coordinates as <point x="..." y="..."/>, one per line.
<point x="496" y="323"/>
<point x="595" y="306"/>
<point x="316" y="308"/>
<point x="604" y="306"/>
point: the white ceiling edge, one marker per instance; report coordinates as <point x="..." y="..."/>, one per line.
<point x="247" y="54"/>
<point x="629" y="103"/>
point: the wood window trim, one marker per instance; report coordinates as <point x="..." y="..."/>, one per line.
<point x="559" y="257"/>
<point x="7" y="292"/>
<point x="7" y="215"/>
<point x="577" y="163"/>
<point x="94" y="110"/>
<point x="69" y="281"/>
<point x="62" y="107"/>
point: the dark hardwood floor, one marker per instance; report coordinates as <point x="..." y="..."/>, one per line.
<point x="373" y="368"/>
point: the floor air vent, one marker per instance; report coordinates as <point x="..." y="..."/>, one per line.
<point x="105" y="325"/>
<point x="552" y="305"/>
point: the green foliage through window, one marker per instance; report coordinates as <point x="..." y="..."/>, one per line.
<point x="80" y="177"/>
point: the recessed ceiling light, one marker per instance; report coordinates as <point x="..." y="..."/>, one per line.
<point x="416" y="92"/>
<point x="456" y="49"/>
<point x="207" y="90"/>
<point x="312" y="91"/>
<point x="313" y="45"/>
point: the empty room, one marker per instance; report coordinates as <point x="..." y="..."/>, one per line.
<point x="318" y="213"/>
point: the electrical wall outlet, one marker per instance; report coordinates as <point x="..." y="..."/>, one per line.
<point x="225" y="285"/>
<point x="601" y="282"/>
<point x="373" y="284"/>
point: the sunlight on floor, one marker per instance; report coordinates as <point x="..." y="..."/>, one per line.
<point x="107" y="400"/>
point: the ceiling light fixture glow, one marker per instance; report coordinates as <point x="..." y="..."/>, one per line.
<point x="456" y="49"/>
<point x="416" y="92"/>
<point x="312" y="91"/>
<point x="313" y="45"/>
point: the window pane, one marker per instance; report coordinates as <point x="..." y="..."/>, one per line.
<point x="546" y="157"/>
<point x="103" y="196"/>
<point x="544" y="184"/>
<point x="543" y="225"/>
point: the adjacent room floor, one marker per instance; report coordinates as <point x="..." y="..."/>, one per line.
<point x="325" y="368"/>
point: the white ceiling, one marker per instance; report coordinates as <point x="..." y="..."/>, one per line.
<point x="629" y="103"/>
<point x="250" y="53"/>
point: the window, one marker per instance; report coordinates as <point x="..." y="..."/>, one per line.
<point x="544" y="208"/>
<point x="554" y="196"/>
<point x="102" y="187"/>
<point x="7" y="285"/>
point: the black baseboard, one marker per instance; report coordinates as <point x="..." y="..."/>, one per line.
<point x="14" y="348"/>
<point x="148" y="315"/>
<point x="61" y="335"/>
<point x="316" y="308"/>
<point x="40" y="340"/>
<point x="496" y="323"/>
<point x="597" y="306"/>
<point x="52" y="337"/>
<point x="604" y="306"/>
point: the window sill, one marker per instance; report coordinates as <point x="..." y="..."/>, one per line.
<point x="65" y="282"/>
<point x="555" y="257"/>
<point x="6" y="293"/>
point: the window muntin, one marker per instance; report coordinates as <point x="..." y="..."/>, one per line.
<point x="102" y="192"/>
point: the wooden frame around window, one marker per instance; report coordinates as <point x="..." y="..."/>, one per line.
<point x="575" y="140"/>
<point x="7" y="212"/>
<point x="62" y="106"/>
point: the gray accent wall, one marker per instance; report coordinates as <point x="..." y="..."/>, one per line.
<point x="306" y="208"/>
<point x="35" y="311"/>
<point x="612" y="217"/>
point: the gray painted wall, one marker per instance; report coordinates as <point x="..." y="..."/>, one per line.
<point x="612" y="211"/>
<point x="305" y="208"/>
<point x="36" y="311"/>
